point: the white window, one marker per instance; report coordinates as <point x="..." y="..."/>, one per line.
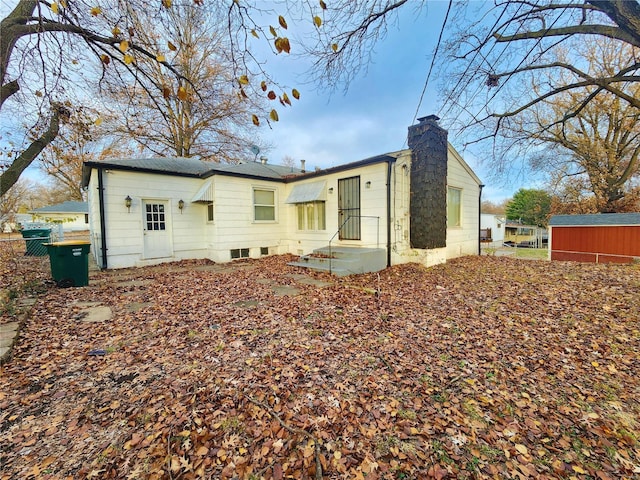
<point x="264" y="205"/>
<point x="311" y="216"/>
<point x="210" y="212"/>
<point x="454" y="207"/>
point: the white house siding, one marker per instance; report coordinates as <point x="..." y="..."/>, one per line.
<point x="373" y="207"/>
<point x="464" y="240"/>
<point x="461" y="240"/>
<point x="124" y="229"/>
<point x="401" y="251"/>
<point x="234" y="226"/>
<point x="94" y="219"/>
<point x="496" y="223"/>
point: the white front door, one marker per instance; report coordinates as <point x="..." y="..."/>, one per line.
<point x="157" y="242"/>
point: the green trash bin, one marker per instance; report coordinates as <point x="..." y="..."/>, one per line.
<point x="69" y="262"/>
<point x="36" y="239"/>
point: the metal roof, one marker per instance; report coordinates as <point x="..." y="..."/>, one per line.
<point x="190" y="167"/>
<point x="593" y="219"/>
<point x="170" y="165"/>
<point x="64" y="207"/>
<point x="257" y="169"/>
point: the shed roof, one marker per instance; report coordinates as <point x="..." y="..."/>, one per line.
<point x="69" y="206"/>
<point x="594" y="219"/>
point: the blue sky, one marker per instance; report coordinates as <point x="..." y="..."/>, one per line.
<point x="372" y="117"/>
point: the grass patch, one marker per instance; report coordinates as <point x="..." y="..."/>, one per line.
<point x="532" y="253"/>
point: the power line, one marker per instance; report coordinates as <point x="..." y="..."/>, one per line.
<point x="433" y="60"/>
<point x="537" y="43"/>
<point x="471" y="62"/>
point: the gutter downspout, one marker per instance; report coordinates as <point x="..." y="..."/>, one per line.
<point x="388" y="213"/>
<point x="480" y="220"/>
<point x="103" y="228"/>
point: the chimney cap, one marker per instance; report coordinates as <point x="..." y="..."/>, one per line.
<point x="429" y="118"/>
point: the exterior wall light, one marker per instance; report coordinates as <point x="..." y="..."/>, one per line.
<point x="367" y="185"/>
<point x="127" y="203"/>
<point x="331" y="190"/>
<point x="180" y="205"/>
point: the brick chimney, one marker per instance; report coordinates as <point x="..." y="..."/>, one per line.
<point x="428" y="201"/>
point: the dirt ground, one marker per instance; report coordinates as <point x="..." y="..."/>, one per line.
<point x="486" y="367"/>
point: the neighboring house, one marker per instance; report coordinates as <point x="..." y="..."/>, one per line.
<point x="416" y="205"/>
<point x="492" y="229"/>
<point x="519" y="235"/>
<point x="72" y="215"/>
<point x="599" y="237"/>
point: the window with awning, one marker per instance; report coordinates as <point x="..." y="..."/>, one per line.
<point x="308" y="192"/>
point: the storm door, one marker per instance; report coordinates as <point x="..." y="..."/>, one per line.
<point x="349" y="208"/>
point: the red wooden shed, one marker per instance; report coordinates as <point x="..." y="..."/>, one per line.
<point x="599" y="238"/>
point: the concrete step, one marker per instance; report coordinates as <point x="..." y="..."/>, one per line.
<point x="339" y="272"/>
<point x="344" y="260"/>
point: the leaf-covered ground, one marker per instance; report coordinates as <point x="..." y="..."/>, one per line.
<point x="485" y="367"/>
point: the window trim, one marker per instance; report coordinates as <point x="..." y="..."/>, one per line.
<point x="459" y="190"/>
<point x="274" y="206"/>
<point x="305" y="217"/>
<point x="210" y="209"/>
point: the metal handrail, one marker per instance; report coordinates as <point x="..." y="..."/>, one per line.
<point x="340" y="228"/>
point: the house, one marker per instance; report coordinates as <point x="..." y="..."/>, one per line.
<point x="519" y="235"/>
<point x="599" y="238"/>
<point x="416" y="205"/>
<point x="72" y="215"/>
<point x="492" y="229"/>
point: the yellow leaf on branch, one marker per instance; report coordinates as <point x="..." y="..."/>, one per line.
<point x="296" y="94"/>
<point x="318" y="21"/>
<point x="128" y="59"/>
<point x="323" y="5"/>
<point x="124" y="46"/>
<point x="274" y="116"/>
<point x="95" y="11"/>
<point x="254" y="33"/>
<point x="160" y="57"/>
<point x="282" y="22"/>
<point x="282" y="44"/>
<point x="182" y="93"/>
<point x="171" y="46"/>
<point x="55" y="8"/>
<point x="255" y="120"/>
<point x="243" y="80"/>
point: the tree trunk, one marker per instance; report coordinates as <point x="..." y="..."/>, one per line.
<point x="11" y="175"/>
